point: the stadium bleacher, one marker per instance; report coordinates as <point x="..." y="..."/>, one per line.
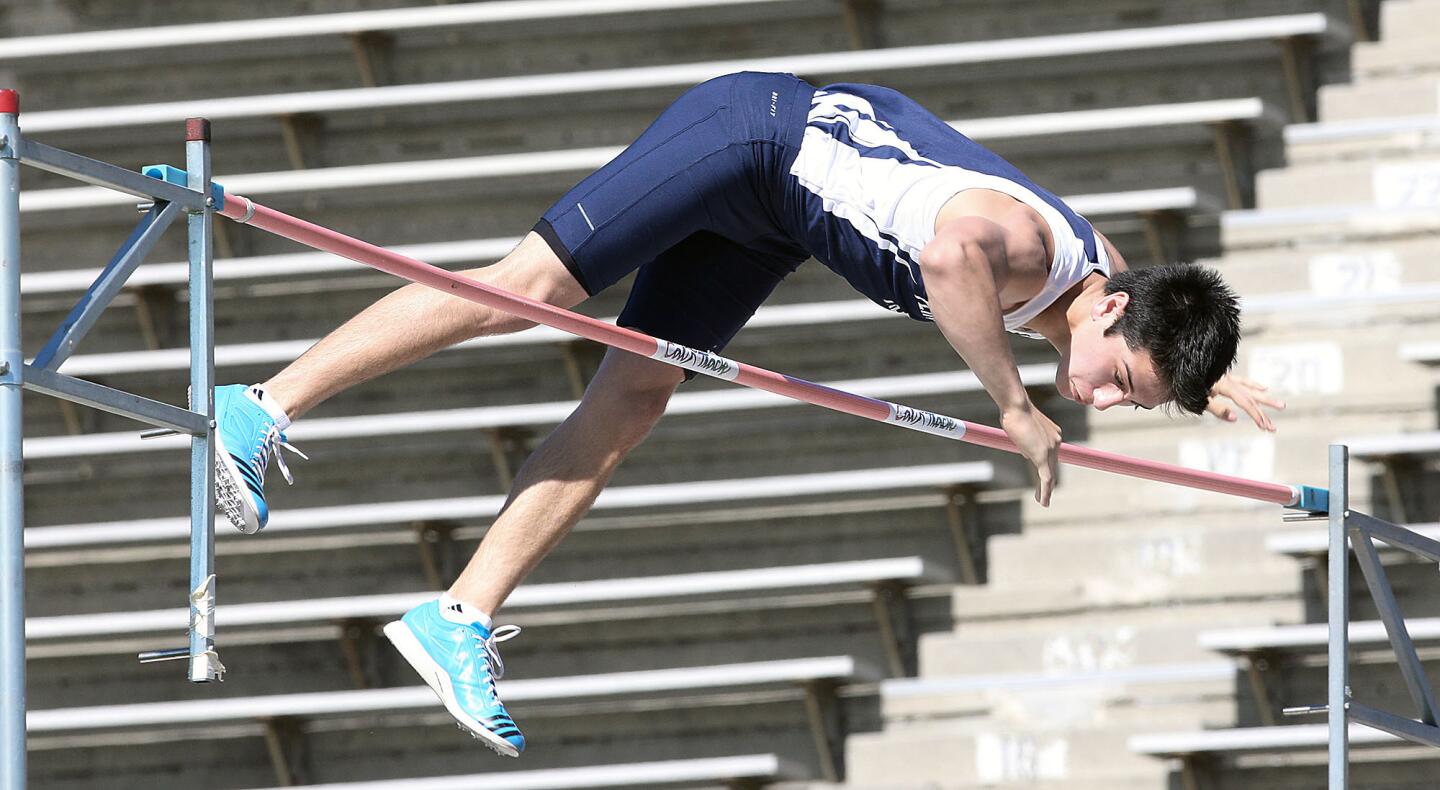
<point x="1064" y="648"/>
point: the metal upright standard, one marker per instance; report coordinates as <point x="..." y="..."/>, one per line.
<point x="198" y="201"/>
<point x="1361" y="531"/>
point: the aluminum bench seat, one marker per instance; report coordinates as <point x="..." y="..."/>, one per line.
<point x="709" y="771"/>
<point x="213" y="35"/>
<point x="1034" y="49"/>
<point x="977" y="473"/>
<point x="844" y="669"/>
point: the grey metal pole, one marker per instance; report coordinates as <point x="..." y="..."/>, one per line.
<point x="204" y="661"/>
<point x="1339" y="616"/>
<point x="12" y="462"/>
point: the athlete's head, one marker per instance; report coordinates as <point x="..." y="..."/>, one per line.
<point x="1160" y="335"/>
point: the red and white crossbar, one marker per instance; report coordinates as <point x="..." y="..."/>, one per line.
<point x="244" y="210"/>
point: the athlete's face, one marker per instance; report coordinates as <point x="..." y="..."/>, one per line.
<point x="1102" y="371"/>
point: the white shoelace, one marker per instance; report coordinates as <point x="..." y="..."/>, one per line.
<point x="274" y="440"/>
<point x="492" y="653"/>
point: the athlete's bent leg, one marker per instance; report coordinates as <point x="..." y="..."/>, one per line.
<point x="405" y="326"/>
<point x="558" y="483"/>
<point x="416" y="321"/>
<point x="452" y="642"/>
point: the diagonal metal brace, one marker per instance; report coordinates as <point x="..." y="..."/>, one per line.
<point x="1399" y="726"/>
<point x="107" y="286"/>
<point x="93" y="171"/>
<point x="1395" y="536"/>
<point x="1394" y="620"/>
<point x="125" y="404"/>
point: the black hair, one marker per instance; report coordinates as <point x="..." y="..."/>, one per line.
<point x="1188" y="319"/>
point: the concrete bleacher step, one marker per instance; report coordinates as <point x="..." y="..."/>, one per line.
<point x="1270" y="280"/>
<point x="1366" y="139"/>
<point x="1409" y="20"/>
<point x="1132" y="564"/>
<point x="1393" y="57"/>
<point x="1380" y="98"/>
<point x="1101" y="640"/>
<point x="1041" y="756"/>
<point x="1391" y="182"/>
<point x="1057" y="697"/>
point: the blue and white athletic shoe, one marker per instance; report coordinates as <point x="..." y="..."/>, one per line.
<point x="246" y="437"/>
<point x="461" y="664"/>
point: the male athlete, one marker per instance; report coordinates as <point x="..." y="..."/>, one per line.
<point x="739" y="181"/>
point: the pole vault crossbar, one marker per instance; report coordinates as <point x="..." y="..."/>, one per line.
<point x="192" y="192"/>
<point x="196" y="200"/>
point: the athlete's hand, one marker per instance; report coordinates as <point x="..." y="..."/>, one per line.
<point x="1248" y="396"/>
<point x="1039" y="441"/>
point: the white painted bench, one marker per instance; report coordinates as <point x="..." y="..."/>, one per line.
<point x="1394" y="453"/>
<point x="1255" y="643"/>
<point x="1298" y="737"/>
<point x="1313" y="543"/>
<point x="525" y="597"/>
<point x="899" y="688"/>
<point x="443" y="420"/>
<point x="299" y="520"/>
<point x="1336" y="131"/>
<point x="1177" y="200"/>
<point x="1219" y="114"/>
<point x="817" y="678"/>
<point x="212" y="34"/>
<point x="1425" y="352"/>
<point x="1035" y="48"/>
<point x="331" y="703"/>
<point x="722" y="770"/>
<point x="1310" y="637"/>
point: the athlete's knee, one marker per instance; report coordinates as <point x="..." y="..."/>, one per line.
<point x="634" y="392"/>
<point x="533" y="270"/>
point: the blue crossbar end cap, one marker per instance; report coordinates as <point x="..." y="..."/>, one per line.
<point x="178" y="177"/>
<point x="1315" y="500"/>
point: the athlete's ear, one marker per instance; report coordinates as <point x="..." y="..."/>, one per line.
<point x="1110" y="307"/>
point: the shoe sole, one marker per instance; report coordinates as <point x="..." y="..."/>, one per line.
<point x="438" y="680"/>
<point x="231" y="494"/>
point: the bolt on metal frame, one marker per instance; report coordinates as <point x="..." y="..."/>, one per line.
<point x="198" y="201"/>
<point x="192" y="191"/>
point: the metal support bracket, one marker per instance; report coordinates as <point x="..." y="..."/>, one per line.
<point x="436" y="543"/>
<point x="893" y="617"/>
<point x="106" y="286"/>
<point x="285" y="744"/>
<point x="962" y="517"/>
<point x="303" y="134"/>
<point x="1233" y="153"/>
<point x="1297" y="58"/>
<point x="372" y="50"/>
<point x="862" y="21"/>
<point x="582" y="359"/>
<point x="509" y="445"/>
<point x="824" y="713"/>
<point x="1257" y="667"/>
<point x="357" y="649"/>
<point x="1164" y="234"/>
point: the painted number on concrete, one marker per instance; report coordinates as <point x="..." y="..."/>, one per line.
<point x="1253" y="458"/>
<point x="1096" y="652"/>
<point x="1299" y="368"/>
<point x="1408" y="186"/>
<point x="1342" y="274"/>
<point x="1020" y="758"/>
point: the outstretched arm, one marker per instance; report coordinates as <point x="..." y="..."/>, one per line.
<point x="965" y="267"/>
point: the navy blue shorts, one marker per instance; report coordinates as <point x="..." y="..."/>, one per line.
<point x="697" y="204"/>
